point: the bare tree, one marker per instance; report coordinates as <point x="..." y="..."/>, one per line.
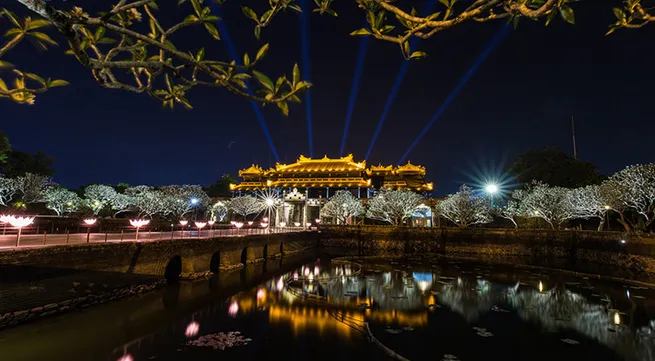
<point x="148" y="201"/>
<point x="342" y="206"/>
<point x="465" y="208"/>
<point x="633" y="188"/>
<point x="8" y="189"/>
<point x="31" y="187"/>
<point x="98" y="197"/>
<point x="552" y="204"/>
<point x="218" y="211"/>
<point x="589" y="202"/>
<point x="393" y="206"/>
<point x="180" y="200"/>
<point x="246" y="205"/>
<point x="60" y="200"/>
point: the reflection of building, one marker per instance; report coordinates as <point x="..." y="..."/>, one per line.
<point x="306" y="183"/>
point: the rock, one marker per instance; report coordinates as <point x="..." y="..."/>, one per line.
<point x="50" y="306"/>
<point x="37" y="310"/>
<point x="64" y="308"/>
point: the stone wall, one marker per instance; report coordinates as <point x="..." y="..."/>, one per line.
<point x="636" y="254"/>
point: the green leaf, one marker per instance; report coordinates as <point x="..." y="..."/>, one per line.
<point x="515" y="22"/>
<point x="184" y="102"/>
<point x="567" y="14"/>
<point x="294" y="98"/>
<point x="106" y="41"/>
<point x="58" y="82"/>
<point x="261" y="53"/>
<point x="418" y="55"/>
<point x="361" y="32"/>
<point x="212" y="31"/>
<point x="330" y="12"/>
<point x="38" y="23"/>
<point x="619" y="14"/>
<point x="212" y="18"/>
<point x="263" y="80"/>
<point x="35" y="77"/>
<point x="265" y="16"/>
<point x="3" y="86"/>
<point x="196" y="6"/>
<point x="258" y="31"/>
<point x="170" y="44"/>
<point x="190" y="19"/>
<point x="278" y="83"/>
<point x="246" y="60"/>
<point x="100" y="32"/>
<point x="446" y="3"/>
<point x="201" y="54"/>
<point x="13" y="31"/>
<point x="284" y="107"/>
<point x="250" y="13"/>
<point x="295" y="8"/>
<point x="153" y="5"/>
<point x="5" y="64"/>
<point x="405" y="49"/>
<point x="611" y="30"/>
<point x="302" y="85"/>
<point x="296" y="74"/>
<point x="43" y="37"/>
<point x="12" y="17"/>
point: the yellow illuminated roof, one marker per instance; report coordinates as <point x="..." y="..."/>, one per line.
<point x="411" y="168"/>
<point x="325" y="164"/>
<point x="252" y="170"/>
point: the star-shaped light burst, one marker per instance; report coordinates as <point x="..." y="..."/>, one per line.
<point x="138" y="223"/>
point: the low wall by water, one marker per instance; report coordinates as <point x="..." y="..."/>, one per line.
<point x="635" y="253"/>
<point x="43" y="281"/>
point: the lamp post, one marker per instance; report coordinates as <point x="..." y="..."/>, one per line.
<point x="200" y="225"/>
<point x="238" y="225"/>
<point x="19" y="222"/>
<point x="491" y="190"/>
<point x="89" y="222"/>
<point x="4" y="219"/>
<point x="607" y="221"/>
<point x="183" y="223"/>
<point x="138" y="223"/>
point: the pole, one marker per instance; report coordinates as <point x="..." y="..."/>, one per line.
<point x="575" y="148"/>
<point x="106" y="236"/>
<point x="18" y="236"/>
<point x="122" y="235"/>
<point x="88" y="234"/>
<point x="137" y="234"/>
<point x="44" y="235"/>
<point x="68" y="236"/>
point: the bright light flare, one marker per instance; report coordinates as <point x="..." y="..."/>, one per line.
<point x="138" y="223"/>
<point x="5" y="218"/>
<point x="541" y="286"/>
<point x="261" y="294"/>
<point x="90" y="221"/>
<point x="269" y="202"/>
<point x="20" y="222"/>
<point x="211" y="223"/>
<point x="192" y="329"/>
<point x="491" y="188"/>
<point x="194" y="200"/>
<point x="238" y="224"/>
<point x="127" y="357"/>
<point x="617" y="318"/>
<point x="233" y="309"/>
<point x="280" y="285"/>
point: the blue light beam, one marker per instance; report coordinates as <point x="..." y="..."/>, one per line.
<point x="231" y="49"/>
<point x="500" y="35"/>
<point x="363" y="45"/>
<point x="399" y="79"/>
<point x="304" y="41"/>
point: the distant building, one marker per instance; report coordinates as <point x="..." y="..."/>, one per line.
<point x="304" y="186"/>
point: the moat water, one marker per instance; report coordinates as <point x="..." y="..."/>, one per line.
<point x="317" y="308"/>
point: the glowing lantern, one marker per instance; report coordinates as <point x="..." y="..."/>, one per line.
<point x="250" y="223"/>
<point x="90" y="221"/>
<point x="211" y="223"/>
<point x="617" y="318"/>
<point x="20" y="222"/>
<point x="192" y="329"/>
<point x="283" y="224"/>
<point x="233" y="309"/>
<point x="297" y="224"/>
<point x="138" y="223"/>
<point x="541" y="287"/>
<point x="280" y="284"/>
<point x="183" y="222"/>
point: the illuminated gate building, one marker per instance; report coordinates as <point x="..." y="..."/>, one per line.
<point x="305" y="185"/>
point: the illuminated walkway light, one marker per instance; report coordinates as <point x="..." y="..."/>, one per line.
<point x="500" y="35"/>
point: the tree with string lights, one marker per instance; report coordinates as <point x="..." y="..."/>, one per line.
<point x="246" y="205"/>
<point x="393" y="206"/>
<point x="180" y="200"/>
<point x="552" y="204"/>
<point x="60" y="200"/>
<point x="633" y="190"/>
<point x="342" y="206"/>
<point x="218" y="211"/>
<point x="465" y="209"/>
<point x="8" y="189"/>
<point x="123" y="53"/>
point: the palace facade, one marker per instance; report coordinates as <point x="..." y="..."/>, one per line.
<point x="305" y="185"/>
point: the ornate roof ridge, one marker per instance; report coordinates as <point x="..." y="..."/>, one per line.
<point x="253" y="169"/>
<point x="409" y="167"/>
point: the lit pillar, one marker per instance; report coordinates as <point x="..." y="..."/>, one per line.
<point x="359" y="192"/>
<point x="327" y="192"/>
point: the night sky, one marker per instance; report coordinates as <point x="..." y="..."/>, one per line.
<point x="523" y="96"/>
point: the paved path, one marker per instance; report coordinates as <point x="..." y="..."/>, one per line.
<point x="8" y="242"/>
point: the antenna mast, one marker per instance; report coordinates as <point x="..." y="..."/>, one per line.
<point x="575" y="148"/>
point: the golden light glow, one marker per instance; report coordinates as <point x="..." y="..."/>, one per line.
<point x="233" y="186"/>
<point x="303" y="319"/>
<point x="541" y="286"/>
<point x="617" y="318"/>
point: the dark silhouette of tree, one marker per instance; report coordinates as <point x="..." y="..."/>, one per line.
<point x="221" y="188"/>
<point x="5" y="147"/>
<point x="18" y="163"/>
<point x="553" y="167"/>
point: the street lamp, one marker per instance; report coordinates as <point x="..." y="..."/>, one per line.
<point x="238" y="225"/>
<point x="200" y="225"/>
<point x="138" y="223"/>
<point x="19" y="222"/>
<point x="183" y="223"/>
<point x="491" y="189"/>
<point x="89" y="222"/>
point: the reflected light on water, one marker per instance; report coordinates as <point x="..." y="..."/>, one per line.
<point x="295" y="276"/>
<point x="541" y="286"/>
<point x="192" y="329"/>
<point x="311" y="277"/>
<point x="627" y="293"/>
<point x="617" y="318"/>
<point x="261" y="295"/>
<point x="280" y="284"/>
<point x="234" y="309"/>
<point x="306" y="271"/>
<point x="316" y="270"/>
<point x="127" y="357"/>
